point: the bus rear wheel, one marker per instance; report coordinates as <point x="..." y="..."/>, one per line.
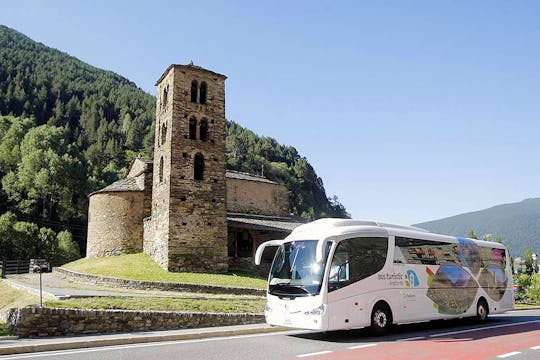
<point x="482" y="310"/>
<point x="381" y="319"/>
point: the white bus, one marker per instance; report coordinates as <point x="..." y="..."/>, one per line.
<point x="335" y="274"/>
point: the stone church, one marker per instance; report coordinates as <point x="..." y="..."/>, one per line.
<point x="184" y="208"/>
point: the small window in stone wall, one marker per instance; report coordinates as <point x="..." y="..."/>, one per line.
<point x="198" y="167"/>
<point x="193" y="128"/>
<point x="202" y="96"/>
<point x="203" y="132"/>
<point x="194" y="90"/>
<point x="161" y="170"/>
<point x="240" y="244"/>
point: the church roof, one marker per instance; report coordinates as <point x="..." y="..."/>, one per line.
<point x="245" y="176"/>
<point x="262" y="222"/>
<point x="130" y="184"/>
<point x="127" y="184"/>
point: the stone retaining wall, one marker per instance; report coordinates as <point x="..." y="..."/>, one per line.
<point x="154" y="285"/>
<point x="35" y="321"/>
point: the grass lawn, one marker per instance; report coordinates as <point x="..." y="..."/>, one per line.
<point x="142" y="267"/>
<point x="167" y="304"/>
<point x="4" y="331"/>
<point x="527" y="306"/>
<point x="12" y="297"/>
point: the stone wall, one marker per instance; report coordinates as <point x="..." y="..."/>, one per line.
<point x="114" y="223"/>
<point x="154" y="285"/>
<point x="35" y="321"/>
<point x="254" y="197"/>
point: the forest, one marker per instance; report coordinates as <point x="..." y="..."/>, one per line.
<point x="68" y="129"/>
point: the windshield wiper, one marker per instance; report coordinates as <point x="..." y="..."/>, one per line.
<point x="284" y="289"/>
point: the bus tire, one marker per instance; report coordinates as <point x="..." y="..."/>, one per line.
<point x="381" y="319"/>
<point x="482" y="310"/>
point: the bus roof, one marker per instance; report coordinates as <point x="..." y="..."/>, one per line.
<point x="335" y="225"/>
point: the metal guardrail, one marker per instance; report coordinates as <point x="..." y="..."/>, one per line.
<point x="10" y="267"/>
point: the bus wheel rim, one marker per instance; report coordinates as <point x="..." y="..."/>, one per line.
<point x="380" y="318"/>
<point x="481" y="311"/>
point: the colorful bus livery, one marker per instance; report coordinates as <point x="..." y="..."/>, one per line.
<point x="337" y="274"/>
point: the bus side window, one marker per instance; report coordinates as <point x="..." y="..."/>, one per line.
<point x="356" y="259"/>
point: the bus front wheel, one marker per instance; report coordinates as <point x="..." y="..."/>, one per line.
<point x="381" y="319"/>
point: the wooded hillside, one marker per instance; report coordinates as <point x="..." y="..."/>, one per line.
<point x="68" y="128"/>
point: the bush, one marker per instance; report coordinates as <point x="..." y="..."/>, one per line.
<point x="533" y="292"/>
<point x="67" y="250"/>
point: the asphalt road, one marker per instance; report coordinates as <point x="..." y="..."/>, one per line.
<point x="515" y="336"/>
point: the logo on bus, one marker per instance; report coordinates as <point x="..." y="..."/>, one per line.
<point x="411" y="279"/>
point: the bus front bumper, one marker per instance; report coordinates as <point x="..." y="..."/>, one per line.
<point x="311" y="319"/>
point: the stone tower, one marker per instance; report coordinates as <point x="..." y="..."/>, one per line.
<point x="188" y="227"/>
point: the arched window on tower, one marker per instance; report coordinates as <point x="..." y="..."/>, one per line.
<point x="193" y="128"/>
<point x="158" y="133"/>
<point x="194" y="90"/>
<point x="165" y="97"/>
<point x="202" y="96"/>
<point x="198" y="167"/>
<point x="163" y="133"/>
<point x="203" y="130"/>
<point x="161" y="170"/>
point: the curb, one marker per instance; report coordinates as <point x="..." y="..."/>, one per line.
<point x="9" y="338"/>
<point x="68" y="345"/>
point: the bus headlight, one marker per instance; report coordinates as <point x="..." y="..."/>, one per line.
<point x="267" y="308"/>
<point x="320" y="310"/>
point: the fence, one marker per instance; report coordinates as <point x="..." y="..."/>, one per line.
<point x="14" y="267"/>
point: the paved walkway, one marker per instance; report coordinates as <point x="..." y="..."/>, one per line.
<point x="19" y="346"/>
<point x="57" y="287"/>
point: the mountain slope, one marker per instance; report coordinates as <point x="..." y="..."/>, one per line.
<point x="518" y="224"/>
<point x="106" y="120"/>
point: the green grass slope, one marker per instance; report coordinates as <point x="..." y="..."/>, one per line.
<point x="142" y="267"/>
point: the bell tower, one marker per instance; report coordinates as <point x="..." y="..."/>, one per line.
<point x="188" y="227"/>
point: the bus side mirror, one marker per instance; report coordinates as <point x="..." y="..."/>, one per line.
<point x="260" y="249"/>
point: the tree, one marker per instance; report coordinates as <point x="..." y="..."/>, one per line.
<point x="472" y="235"/>
<point x="12" y="131"/>
<point x="67" y="249"/>
<point x="49" y="177"/>
<point x="531" y="262"/>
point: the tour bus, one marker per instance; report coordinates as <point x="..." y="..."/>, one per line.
<point x="334" y="274"/>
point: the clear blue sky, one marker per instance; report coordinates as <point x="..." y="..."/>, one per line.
<point x="409" y="111"/>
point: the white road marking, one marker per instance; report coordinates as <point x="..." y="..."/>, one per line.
<point x="361" y="346"/>
<point x="536" y="347"/>
<point x="313" y="354"/>
<point x="509" y="354"/>
<point x="484" y="328"/>
<point x="413" y="338"/>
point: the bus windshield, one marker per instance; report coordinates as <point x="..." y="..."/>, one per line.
<point x="294" y="270"/>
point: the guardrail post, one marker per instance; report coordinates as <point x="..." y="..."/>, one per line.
<point x="4" y="265"/>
